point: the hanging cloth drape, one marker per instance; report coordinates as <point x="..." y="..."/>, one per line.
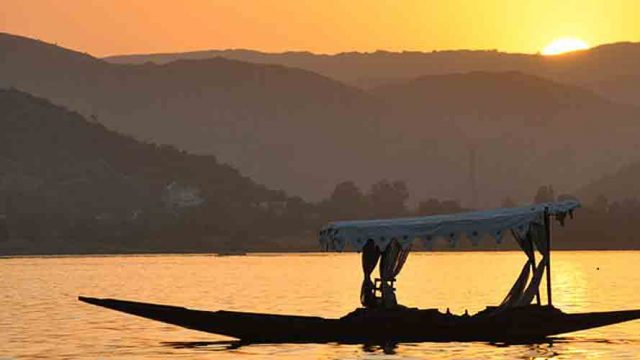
<point x="515" y="294"/>
<point x="519" y="295"/>
<point x="391" y="262"/>
<point x="531" y="291"/>
<point x="538" y="235"/>
<point x="523" y="240"/>
<point x="517" y="289"/>
<point x="370" y="256"/>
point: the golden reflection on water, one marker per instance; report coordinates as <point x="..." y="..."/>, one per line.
<point x="40" y="316"/>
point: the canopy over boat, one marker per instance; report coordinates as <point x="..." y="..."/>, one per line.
<point x="389" y="242"/>
<point x="475" y="225"/>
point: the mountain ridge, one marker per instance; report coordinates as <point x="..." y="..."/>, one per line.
<point x="303" y="132"/>
<point x="163" y="57"/>
<point x="370" y="69"/>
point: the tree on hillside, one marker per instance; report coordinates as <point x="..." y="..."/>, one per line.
<point x="508" y="202"/>
<point x="346" y="202"/>
<point x="545" y="194"/>
<point x="566" y="197"/>
<point x="428" y="207"/>
<point x="388" y="198"/>
<point x="435" y="207"/>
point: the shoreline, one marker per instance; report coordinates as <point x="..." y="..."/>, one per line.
<point x="272" y="253"/>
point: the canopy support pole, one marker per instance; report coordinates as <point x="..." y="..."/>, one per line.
<point x="547" y="229"/>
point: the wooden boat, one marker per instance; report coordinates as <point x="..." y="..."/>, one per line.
<point x="522" y="324"/>
<point x="382" y="320"/>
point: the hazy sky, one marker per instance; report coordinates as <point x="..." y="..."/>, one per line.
<point x="106" y="27"/>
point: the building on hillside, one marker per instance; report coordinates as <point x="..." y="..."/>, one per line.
<point x="178" y="196"/>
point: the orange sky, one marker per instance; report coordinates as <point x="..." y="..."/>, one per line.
<point x="106" y="27"/>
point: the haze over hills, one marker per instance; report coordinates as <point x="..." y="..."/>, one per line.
<point x="620" y="185"/>
<point x="610" y="70"/>
<point x="299" y="131"/>
<point x="68" y="185"/>
<point x="524" y="130"/>
<point x="278" y="125"/>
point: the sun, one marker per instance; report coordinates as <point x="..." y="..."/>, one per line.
<point x="564" y="45"/>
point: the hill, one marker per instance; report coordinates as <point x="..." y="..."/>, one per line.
<point x="71" y="186"/>
<point x="296" y="130"/>
<point x="608" y="70"/>
<point x="620" y="185"/>
<point x="523" y="130"/>
<point x="277" y="125"/>
<point x="68" y="185"/>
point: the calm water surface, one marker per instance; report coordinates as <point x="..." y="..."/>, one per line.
<point x="41" y="318"/>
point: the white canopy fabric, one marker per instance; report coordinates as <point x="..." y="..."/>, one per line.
<point x="474" y="225"/>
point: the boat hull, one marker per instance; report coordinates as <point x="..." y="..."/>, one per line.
<point x="525" y="324"/>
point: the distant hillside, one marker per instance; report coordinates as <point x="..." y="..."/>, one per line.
<point x="524" y="130"/>
<point x="296" y="130"/>
<point x="609" y="70"/>
<point x="493" y="97"/>
<point x="277" y="125"/>
<point x="360" y="69"/>
<point x="616" y="186"/>
<point x="68" y="185"/>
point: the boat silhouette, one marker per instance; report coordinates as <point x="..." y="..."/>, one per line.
<point x="520" y="318"/>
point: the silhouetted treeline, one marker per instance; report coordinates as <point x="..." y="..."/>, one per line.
<point x="602" y="225"/>
<point x="384" y="199"/>
<point x="598" y="225"/>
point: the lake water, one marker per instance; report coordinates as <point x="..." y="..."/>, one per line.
<point x="41" y="318"/>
